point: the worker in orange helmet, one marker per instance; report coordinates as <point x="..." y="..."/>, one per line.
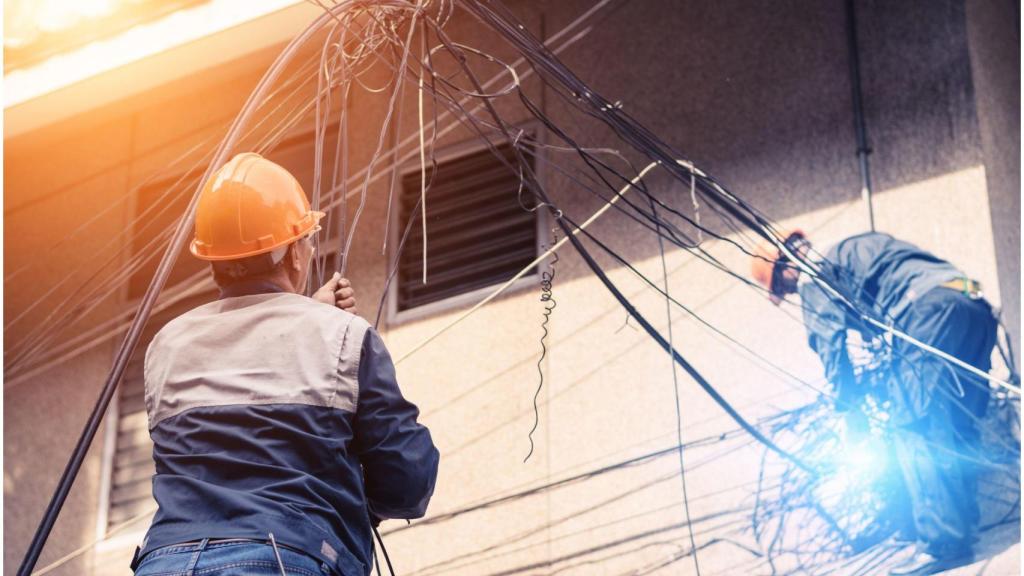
<point x="280" y="435"/>
<point x="934" y="405"/>
<point x="769" y="268"/>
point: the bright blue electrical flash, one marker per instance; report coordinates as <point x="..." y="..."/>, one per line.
<point x="856" y="467"/>
<point x="863" y="458"/>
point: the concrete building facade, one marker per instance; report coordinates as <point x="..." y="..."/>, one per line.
<point x="758" y="96"/>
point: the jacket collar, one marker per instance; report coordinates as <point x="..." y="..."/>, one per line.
<point x="248" y="288"/>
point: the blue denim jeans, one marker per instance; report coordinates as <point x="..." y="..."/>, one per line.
<point x="228" y="559"/>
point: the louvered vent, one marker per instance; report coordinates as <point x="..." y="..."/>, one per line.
<point x="131" y="481"/>
<point x="478" y="234"/>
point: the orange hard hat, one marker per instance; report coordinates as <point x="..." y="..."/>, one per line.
<point x="250" y="206"/>
<point x="762" y="264"/>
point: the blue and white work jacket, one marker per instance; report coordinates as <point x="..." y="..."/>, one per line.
<point x="273" y="413"/>
<point x="880" y="274"/>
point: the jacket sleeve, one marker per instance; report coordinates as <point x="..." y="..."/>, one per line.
<point x="826" y="325"/>
<point x="397" y="454"/>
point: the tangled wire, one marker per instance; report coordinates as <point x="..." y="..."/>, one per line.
<point x="547" y="278"/>
<point x="381" y="50"/>
<point x="858" y="504"/>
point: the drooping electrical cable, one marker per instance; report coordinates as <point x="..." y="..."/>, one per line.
<point x="382" y="40"/>
<point x="642" y="140"/>
<point x="676" y="399"/>
<point x="617" y="294"/>
<point x="134" y="333"/>
<point x="547" y="277"/>
<point x="91" y="295"/>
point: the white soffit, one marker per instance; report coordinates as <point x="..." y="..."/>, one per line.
<point x="145" y="57"/>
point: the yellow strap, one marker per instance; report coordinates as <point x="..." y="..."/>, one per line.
<point x="965" y="285"/>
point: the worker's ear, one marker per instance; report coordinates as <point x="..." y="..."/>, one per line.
<point x="294" y="259"/>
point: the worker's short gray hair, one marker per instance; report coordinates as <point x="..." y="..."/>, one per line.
<point x="228" y="271"/>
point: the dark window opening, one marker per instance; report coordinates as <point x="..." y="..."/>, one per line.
<point x="159" y="206"/>
<point x="161" y="203"/>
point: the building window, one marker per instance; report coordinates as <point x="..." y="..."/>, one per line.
<point x="478" y="233"/>
<point x="160" y="204"/>
<point x="158" y="207"/>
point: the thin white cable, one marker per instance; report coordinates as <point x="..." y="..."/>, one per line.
<point x="693" y="200"/>
<point x="600" y="212"/>
<point x="945" y="356"/>
<point x="380" y="139"/>
<point x="423" y="158"/>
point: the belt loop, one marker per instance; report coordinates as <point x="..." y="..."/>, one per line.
<point x="136" y="559"/>
<point x="195" y="557"/>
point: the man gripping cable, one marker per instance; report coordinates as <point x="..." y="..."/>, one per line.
<point x="280" y="433"/>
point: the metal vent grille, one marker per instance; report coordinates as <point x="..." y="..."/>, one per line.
<point x="131" y="477"/>
<point x="478" y="234"/>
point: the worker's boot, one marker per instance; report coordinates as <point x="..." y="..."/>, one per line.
<point x="923" y="563"/>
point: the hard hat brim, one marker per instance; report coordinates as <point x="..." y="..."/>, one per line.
<point x="311" y="220"/>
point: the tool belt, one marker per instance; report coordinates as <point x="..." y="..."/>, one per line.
<point x="966" y="286"/>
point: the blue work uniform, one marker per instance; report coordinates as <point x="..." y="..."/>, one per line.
<point x="934" y="405"/>
<point x="272" y="413"/>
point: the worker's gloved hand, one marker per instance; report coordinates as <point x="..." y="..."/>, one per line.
<point x="338" y="292"/>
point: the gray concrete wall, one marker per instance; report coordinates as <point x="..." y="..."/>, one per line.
<point x="56" y="180"/>
<point x="994" y="37"/>
<point x="759" y="98"/>
<point x="42" y="422"/>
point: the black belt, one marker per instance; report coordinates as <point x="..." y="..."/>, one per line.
<point x="137" y="559"/>
<point x="241" y="540"/>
